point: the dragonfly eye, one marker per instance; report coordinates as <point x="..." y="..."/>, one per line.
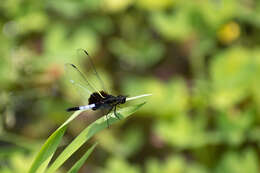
<point x="122" y="99"/>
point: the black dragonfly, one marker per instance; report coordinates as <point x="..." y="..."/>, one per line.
<point x="97" y="99"/>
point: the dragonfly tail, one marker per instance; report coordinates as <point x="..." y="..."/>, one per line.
<point x="73" y="109"/>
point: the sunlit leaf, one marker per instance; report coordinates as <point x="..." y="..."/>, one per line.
<point x="88" y="132"/>
<point x="50" y="146"/>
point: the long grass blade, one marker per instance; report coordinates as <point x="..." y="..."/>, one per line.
<point x="88" y="132"/>
<point x="49" y="147"/>
<point x="75" y="168"/>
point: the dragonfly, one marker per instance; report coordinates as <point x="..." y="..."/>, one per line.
<point x="98" y="99"/>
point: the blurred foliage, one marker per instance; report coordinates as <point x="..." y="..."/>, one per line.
<point x="199" y="59"/>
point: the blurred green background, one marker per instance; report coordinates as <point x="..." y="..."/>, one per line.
<point x="200" y="60"/>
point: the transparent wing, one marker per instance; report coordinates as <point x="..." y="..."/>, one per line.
<point x="85" y="84"/>
<point x="77" y="78"/>
<point x="91" y="72"/>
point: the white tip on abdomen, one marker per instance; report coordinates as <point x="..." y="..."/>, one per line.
<point x="86" y="107"/>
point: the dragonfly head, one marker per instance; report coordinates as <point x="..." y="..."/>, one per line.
<point x="121" y="99"/>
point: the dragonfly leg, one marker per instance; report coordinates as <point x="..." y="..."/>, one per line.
<point x="116" y="113"/>
<point x="107" y="116"/>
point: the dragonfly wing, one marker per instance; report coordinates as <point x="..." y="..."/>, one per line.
<point x="93" y="76"/>
<point x="85" y="84"/>
<point x="77" y="78"/>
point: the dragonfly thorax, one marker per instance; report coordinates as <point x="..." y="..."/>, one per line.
<point x="104" y="100"/>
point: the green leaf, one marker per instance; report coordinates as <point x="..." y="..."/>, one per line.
<point x="75" y="168"/>
<point x="48" y="149"/>
<point x="44" y="156"/>
<point x="239" y="162"/>
<point x="88" y="132"/>
<point x="174" y="163"/>
<point x="119" y="165"/>
<point x="174" y="25"/>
